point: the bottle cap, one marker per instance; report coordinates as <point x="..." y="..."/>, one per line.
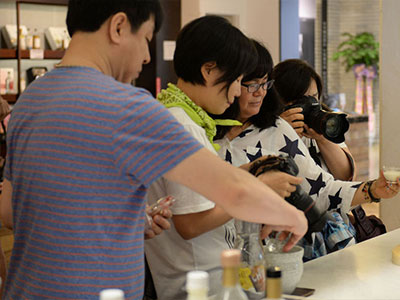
<point x="197" y="280"/>
<point x="112" y="294"/>
<point x="230" y="258"/>
<point x="396" y="255"/>
<point x="274" y="272"/>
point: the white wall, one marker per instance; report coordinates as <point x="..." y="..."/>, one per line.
<point x="307" y="9"/>
<point x="258" y="19"/>
<point x="390" y="102"/>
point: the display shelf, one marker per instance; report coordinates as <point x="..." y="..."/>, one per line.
<point x="48" y="54"/>
<point x="8" y="53"/>
<point x="10" y="98"/>
<point x="48" y="2"/>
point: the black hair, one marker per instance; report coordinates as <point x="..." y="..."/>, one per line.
<point x="89" y="15"/>
<point x="293" y="78"/>
<point x="213" y="39"/>
<point x="271" y="105"/>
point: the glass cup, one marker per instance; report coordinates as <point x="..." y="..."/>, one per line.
<point x="391" y="173"/>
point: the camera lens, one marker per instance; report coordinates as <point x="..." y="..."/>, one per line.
<point x="332" y="126"/>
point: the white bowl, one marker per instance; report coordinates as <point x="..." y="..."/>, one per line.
<point x="291" y="264"/>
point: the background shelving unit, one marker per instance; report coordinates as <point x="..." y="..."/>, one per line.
<point x="20" y="55"/>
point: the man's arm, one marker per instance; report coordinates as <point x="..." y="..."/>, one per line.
<point x="239" y="193"/>
<point x="5" y="205"/>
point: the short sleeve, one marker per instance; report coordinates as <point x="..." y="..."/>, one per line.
<point x="147" y="140"/>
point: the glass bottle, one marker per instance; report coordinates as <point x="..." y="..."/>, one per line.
<point x="9" y="83"/>
<point x="22" y="83"/>
<point x="197" y="285"/>
<point x="22" y="41"/>
<point x="36" y="39"/>
<point x="29" y="39"/>
<point x="112" y="294"/>
<point x="252" y="270"/>
<point x="231" y="289"/>
<point x="274" y="284"/>
<point x="65" y="41"/>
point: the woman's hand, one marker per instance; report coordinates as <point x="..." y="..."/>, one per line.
<point x="381" y="188"/>
<point x="282" y="183"/>
<point x="312" y="134"/>
<point x="295" y="118"/>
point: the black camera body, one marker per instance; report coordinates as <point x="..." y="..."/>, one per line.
<point x="299" y="198"/>
<point x="332" y="125"/>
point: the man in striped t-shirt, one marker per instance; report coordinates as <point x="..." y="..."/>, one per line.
<point x="83" y="147"/>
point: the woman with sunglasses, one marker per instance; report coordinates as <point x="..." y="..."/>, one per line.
<point x="263" y="132"/>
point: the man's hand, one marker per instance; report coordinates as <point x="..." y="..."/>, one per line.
<point x="159" y="223"/>
<point x="297" y="231"/>
<point x="295" y="118"/>
<point x="282" y="183"/>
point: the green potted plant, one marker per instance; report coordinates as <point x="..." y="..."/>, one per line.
<point x="360" y="53"/>
<point x="361" y="48"/>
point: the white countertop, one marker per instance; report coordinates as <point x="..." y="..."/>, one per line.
<point x="361" y="271"/>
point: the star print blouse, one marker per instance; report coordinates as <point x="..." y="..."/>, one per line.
<point x="281" y="139"/>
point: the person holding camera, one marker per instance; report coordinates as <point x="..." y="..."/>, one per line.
<point x="263" y="132"/>
<point x="295" y="78"/>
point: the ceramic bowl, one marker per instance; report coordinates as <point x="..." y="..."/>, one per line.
<point x="291" y="264"/>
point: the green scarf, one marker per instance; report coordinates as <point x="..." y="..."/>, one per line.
<point x="175" y="97"/>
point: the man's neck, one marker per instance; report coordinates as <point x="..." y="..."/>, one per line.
<point x="83" y="51"/>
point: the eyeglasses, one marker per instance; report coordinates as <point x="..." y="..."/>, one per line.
<point x="254" y="87"/>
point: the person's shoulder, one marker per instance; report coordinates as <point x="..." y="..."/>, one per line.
<point x="180" y="114"/>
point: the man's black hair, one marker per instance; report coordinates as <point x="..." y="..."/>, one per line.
<point x="271" y="105"/>
<point x="213" y="39"/>
<point x="89" y="15"/>
<point x="293" y="78"/>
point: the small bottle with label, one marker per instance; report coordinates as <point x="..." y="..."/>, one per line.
<point x="112" y="294"/>
<point x="197" y="285"/>
<point x="252" y="270"/>
<point x="29" y="39"/>
<point x="22" y="41"/>
<point x="22" y="83"/>
<point x="36" y="39"/>
<point x="231" y="289"/>
<point x="274" y="284"/>
<point x="65" y="40"/>
<point x="9" y="83"/>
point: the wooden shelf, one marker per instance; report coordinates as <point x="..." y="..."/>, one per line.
<point x="48" y="54"/>
<point x="10" y="98"/>
<point x="8" y="53"/>
<point x="51" y="2"/>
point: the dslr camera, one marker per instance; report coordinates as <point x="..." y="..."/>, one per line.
<point x="332" y="125"/>
<point x="316" y="220"/>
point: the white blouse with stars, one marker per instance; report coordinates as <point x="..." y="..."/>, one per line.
<point x="281" y="139"/>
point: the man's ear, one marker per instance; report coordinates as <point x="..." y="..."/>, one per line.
<point x="118" y="26"/>
<point x="206" y="70"/>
